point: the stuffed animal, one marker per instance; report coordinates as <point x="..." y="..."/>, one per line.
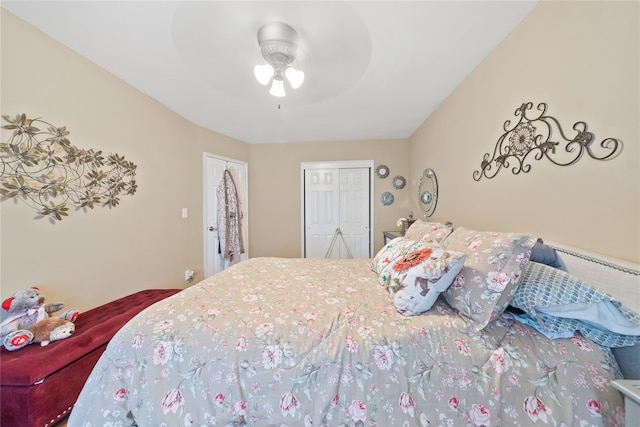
<point x="52" y="329"/>
<point x="26" y="309"/>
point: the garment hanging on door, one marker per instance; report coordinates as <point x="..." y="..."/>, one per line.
<point x="229" y="218"/>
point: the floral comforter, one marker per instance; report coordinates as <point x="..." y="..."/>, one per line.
<point x="302" y="342"/>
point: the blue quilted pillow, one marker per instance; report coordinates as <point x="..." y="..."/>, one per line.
<point x="544" y="289"/>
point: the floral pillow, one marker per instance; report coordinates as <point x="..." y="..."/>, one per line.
<point x="383" y="262"/>
<point x="418" y="278"/>
<point x="427" y="231"/>
<point x="491" y="274"/>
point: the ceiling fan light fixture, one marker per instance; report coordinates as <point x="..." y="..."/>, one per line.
<point x="277" y="88"/>
<point x="278" y="45"/>
<point x="295" y="77"/>
<point x="263" y="73"/>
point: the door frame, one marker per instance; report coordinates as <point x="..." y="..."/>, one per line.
<point x="342" y="164"/>
<point x="205" y="193"/>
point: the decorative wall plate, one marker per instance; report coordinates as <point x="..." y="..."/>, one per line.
<point x="428" y="192"/>
<point x="399" y="182"/>
<point x="382" y="171"/>
<point x="426" y="197"/>
<point x="386" y="198"/>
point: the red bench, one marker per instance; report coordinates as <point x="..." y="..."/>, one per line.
<point x="39" y="385"/>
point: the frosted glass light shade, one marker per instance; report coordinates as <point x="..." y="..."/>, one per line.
<point x="263" y="73"/>
<point x="277" y="88"/>
<point x="295" y="77"/>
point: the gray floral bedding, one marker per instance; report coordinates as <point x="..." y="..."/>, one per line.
<point x="302" y="342"/>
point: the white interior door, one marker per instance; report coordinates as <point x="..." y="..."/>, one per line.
<point x="337" y="196"/>
<point x="322" y="210"/>
<point x="214" y="167"/>
<point x="354" y="211"/>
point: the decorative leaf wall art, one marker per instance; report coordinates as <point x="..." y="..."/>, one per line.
<point x="532" y="135"/>
<point x="42" y="168"/>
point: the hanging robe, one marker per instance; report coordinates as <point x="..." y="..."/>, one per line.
<point x="229" y="219"/>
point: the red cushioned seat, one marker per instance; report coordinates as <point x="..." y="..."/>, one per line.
<point x="39" y="385"/>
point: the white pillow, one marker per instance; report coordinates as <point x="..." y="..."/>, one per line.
<point x="419" y="277"/>
<point x="385" y="259"/>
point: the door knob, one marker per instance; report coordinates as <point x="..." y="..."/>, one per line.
<point x="212" y="228"/>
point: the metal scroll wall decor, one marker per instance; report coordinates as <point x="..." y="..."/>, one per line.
<point x="533" y="135"/>
<point x="42" y="168"/>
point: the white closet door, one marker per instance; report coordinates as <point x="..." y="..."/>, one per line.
<point x="337" y="198"/>
<point x="322" y="210"/>
<point x="354" y="211"/>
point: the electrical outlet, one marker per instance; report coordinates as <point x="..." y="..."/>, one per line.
<point x="188" y="275"/>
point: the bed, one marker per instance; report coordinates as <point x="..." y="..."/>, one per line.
<point x="302" y="342"/>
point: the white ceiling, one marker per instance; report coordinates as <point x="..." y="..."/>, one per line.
<point x="373" y="69"/>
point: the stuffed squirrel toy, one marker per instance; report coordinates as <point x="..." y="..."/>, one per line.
<point x="52" y="329"/>
<point x="27" y="308"/>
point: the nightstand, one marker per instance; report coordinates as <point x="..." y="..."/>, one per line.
<point x="390" y="235"/>
<point x="631" y="391"/>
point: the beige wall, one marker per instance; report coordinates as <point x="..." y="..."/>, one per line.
<point x="579" y="57"/>
<point x="275" y="189"/>
<point x="582" y="59"/>
<point x="90" y="258"/>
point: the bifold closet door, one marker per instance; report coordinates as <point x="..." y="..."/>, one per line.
<point x="337" y="199"/>
<point x="354" y="211"/>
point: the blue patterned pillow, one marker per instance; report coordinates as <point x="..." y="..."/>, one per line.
<point x="543" y="286"/>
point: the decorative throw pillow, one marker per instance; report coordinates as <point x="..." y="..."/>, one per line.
<point x="386" y="257"/>
<point x="490" y="277"/>
<point x="545" y="254"/>
<point x="628" y="359"/>
<point x="559" y="302"/>
<point x="428" y="231"/>
<point x="418" y="278"/>
<point x="386" y="254"/>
